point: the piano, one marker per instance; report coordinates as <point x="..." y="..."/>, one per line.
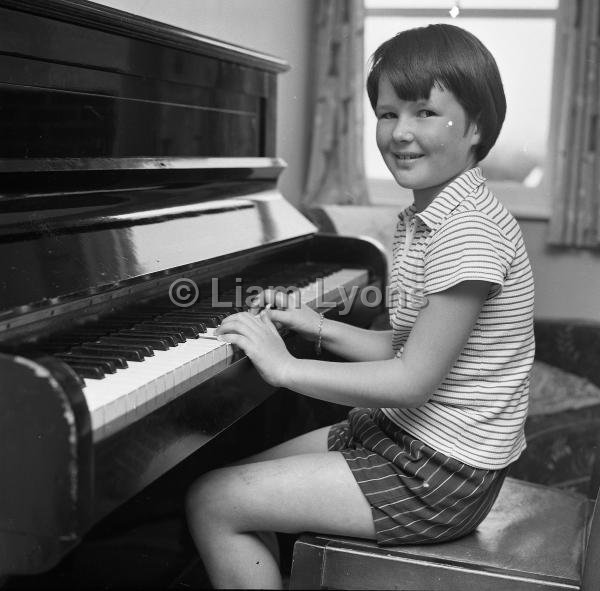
<point x="138" y="207"/>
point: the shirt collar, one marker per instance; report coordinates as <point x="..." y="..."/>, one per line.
<point x="448" y="198"/>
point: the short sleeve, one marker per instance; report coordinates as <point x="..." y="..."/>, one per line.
<point x="468" y="246"/>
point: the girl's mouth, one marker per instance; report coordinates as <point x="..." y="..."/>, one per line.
<point x="408" y="155"/>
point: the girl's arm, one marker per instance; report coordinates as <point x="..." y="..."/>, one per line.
<point x="436" y="340"/>
<point x="354" y="343"/>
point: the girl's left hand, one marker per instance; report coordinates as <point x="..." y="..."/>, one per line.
<point x="259" y="339"/>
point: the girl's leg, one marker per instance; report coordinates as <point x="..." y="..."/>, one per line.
<point x="306" y="492"/>
<point x="311" y="442"/>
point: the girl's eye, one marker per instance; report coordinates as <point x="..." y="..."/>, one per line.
<point x="424" y="113"/>
<point x="387" y="115"/>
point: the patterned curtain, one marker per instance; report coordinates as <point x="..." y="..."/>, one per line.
<point x="336" y="169"/>
<point x="576" y="211"/>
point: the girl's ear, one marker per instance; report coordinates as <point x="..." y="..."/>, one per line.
<point x="475" y="134"/>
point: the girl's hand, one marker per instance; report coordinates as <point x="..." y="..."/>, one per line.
<point x="257" y="336"/>
<point x="288" y="312"/>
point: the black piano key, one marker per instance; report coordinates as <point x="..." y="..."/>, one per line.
<point x="128" y="320"/>
<point x="105" y="365"/>
<point x="88" y="334"/>
<point x="117" y="362"/>
<point x="187" y="330"/>
<point x="88" y="371"/>
<point x="144" y="350"/>
<point x="145" y="342"/>
<point x="212" y="311"/>
<point x="54" y="348"/>
<point x="136" y="333"/>
<point x="167" y="329"/>
<point x="186" y="321"/>
<point x="211" y="321"/>
<point x="61" y="340"/>
<point x="91" y="348"/>
<point x="111" y="325"/>
<point x="206" y="318"/>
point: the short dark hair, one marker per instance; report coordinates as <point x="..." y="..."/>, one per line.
<point x="446" y="55"/>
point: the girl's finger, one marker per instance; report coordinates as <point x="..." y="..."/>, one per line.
<point x="276" y="297"/>
<point x="236" y="339"/>
<point x="257" y="303"/>
<point x="242" y="322"/>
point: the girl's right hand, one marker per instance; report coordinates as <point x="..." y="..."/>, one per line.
<point x="284" y="309"/>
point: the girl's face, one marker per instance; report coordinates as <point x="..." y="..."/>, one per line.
<point x="424" y="143"/>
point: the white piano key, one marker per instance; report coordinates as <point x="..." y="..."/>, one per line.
<point x="129" y="394"/>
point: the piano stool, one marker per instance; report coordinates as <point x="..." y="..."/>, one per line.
<point x="533" y="538"/>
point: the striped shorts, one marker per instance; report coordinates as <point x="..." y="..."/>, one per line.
<point x="417" y="495"/>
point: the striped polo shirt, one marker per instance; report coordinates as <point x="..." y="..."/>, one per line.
<point x="477" y="413"/>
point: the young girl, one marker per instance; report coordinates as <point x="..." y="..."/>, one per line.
<point x="441" y="398"/>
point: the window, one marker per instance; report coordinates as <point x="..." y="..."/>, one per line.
<point x="523" y="42"/>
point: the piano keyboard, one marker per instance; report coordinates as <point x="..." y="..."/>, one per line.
<point x="126" y="394"/>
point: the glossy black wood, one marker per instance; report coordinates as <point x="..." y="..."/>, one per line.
<point x="81" y="80"/>
<point x="46" y="460"/>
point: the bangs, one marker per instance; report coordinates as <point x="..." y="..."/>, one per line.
<point x="413" y="79"/>
<point x="416" y="60"/>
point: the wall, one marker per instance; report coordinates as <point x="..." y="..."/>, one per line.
<point x="567" y="282"/>
<point x="277" y="27"/>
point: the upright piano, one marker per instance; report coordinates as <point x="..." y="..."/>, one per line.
<point x="138" y="207"/>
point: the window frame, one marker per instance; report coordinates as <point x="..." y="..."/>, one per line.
<point x="533" y="203"/>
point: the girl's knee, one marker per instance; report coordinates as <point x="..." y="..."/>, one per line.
<point x="211" y="497"/>
<point x="204" y="496"/>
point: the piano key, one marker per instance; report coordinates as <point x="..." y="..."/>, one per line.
<point x="204" y="310"/>
<point x="170" y="325"/>
<point x="89" y="372"/>
<point x="144" y="350"/>
<point x="161" y="330"/>
<point x="116" y="362"/>
<point x="138" y="333"/>
<point x="89" y="348"/>
<point x="136" y="341"/>
<point x="104" y="364"/>
<point x="119" y="362"/>
<point x="197" y="325"/>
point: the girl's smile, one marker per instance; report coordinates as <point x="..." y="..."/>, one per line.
<point x="426" y="143"/>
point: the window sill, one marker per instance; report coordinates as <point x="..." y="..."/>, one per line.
<point x="525" y="203"/>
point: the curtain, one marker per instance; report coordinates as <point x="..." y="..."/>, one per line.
<point x="336" y="169"/>
<point x="576" y="210"/>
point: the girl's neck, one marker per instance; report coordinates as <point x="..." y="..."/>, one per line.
<point x="422" y="198"/>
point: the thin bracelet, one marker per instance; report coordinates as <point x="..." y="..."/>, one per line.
<point x="319" y="335"/>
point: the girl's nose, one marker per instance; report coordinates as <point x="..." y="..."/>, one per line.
<point x="403" y="132"/>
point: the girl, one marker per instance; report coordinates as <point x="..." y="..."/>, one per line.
<point x="441" y="398"/>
